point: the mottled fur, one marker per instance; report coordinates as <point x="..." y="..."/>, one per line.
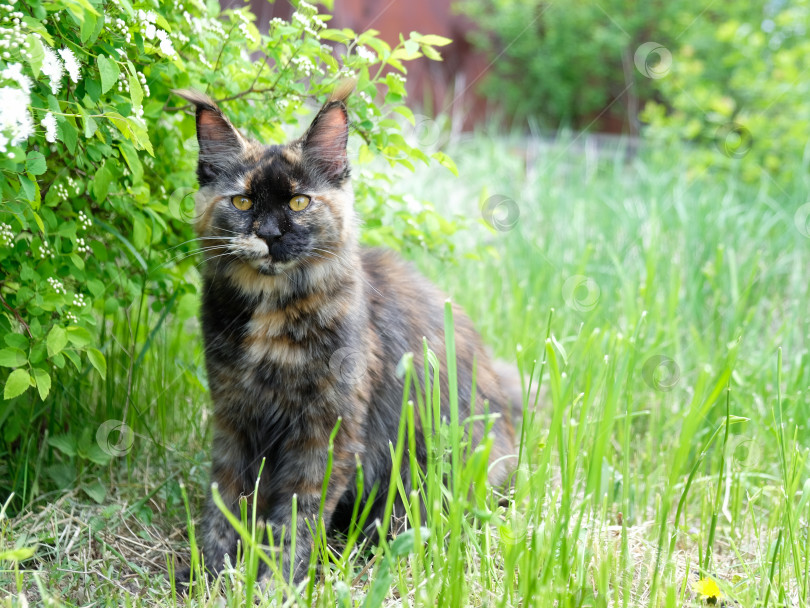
<point x="303" y="327"/>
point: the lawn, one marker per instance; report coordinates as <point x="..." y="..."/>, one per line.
<point x="659" y="306"/>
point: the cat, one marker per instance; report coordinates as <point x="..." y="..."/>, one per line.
<point x="304" y="328"/>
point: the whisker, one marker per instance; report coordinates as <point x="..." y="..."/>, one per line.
<point x="204" y="238"/>
<point x="349" y="263"/>
<point x="213" y="258"/>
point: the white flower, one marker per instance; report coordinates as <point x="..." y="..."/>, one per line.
<point x="45" y="251"/>
<point x="13" y="71"/>
<point x="147" y="16"/>
<point x="71" y="65"/>
<point x="56" y="285"/>
<point x="364" y="53"/>
<point x="6" y="235"/>
<point x="85" y="221"/>
<point x="49" y="122"/>
<point x="304" y="64"/>
<point x="301" y="18"/>
<point x="166" y="48"/>
<point x="14" y="115"/>
<point x="81" y="246"/>
<point x="52" y="68"/>
<point x="150" y="31"/>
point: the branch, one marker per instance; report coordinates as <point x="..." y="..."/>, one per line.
<point x="16" y="315"/>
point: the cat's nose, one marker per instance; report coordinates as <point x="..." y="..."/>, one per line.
<point x="269" y="231"/>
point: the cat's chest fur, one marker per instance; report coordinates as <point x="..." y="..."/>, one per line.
<point x="270" y="352"/>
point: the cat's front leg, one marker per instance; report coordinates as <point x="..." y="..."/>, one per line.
<point x="295" y="550"/>
<point x="218" y="536"/>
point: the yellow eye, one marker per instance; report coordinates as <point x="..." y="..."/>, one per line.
<point x="299" y="202"/>
<point x="242" y="203"/>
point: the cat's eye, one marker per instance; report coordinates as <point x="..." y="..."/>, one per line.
<point x="242" y="203"/>
<point x="299" y="202"/>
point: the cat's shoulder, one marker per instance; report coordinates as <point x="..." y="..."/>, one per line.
<point x="387" y="265"/>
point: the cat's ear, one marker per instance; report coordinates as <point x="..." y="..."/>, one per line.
<point x="327" y="137"/>
<point x="219" y="141"/>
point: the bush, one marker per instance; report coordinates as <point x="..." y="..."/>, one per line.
<point x="738" y="86"/>
<point x="98" y="160"/>
<point x="570" y="64"/>
<point x="582" y="64"/>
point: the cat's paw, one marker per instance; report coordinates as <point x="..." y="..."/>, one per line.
<point x="182" y="576"/>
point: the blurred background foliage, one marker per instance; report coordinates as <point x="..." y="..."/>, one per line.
<point x="731" y="76"/>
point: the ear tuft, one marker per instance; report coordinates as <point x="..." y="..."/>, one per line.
<point x="219" y="141"/>
<point x="326" y="140"/>
<point x="343" y="89"/>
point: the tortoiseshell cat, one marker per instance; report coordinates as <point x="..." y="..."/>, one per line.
<point x="287" y="293"/>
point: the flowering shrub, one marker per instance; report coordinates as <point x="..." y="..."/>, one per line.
<point x="98" y="159"/>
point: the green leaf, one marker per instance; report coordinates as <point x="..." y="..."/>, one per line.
<point x="96" y="491"/>
<point x="405" y="543"/>
<point x="43" y="380"/>
<point x="36" y="54"/>
<point x="79" y="336"/>
<point x="88" y="25"/>
<point x="29" y="189"/>
<point x="95" y="454"/>
<point x="16" y="341"/>
<point x="446" y="161"/>
<point x="35" y="163"/>
<point x="431" y="39"/>
<point x="138" y="232"/>
<point x="98" y="361"/>
<point x="57" y="340"/>
<point x="101" y="183"/>
<point x="74" y="359"/>
<point x="109" y="72"/>
<point x="77" y="261"/>
<point x="431" y="53"/>
<point x="63" y="473"/>
<point x="17" y="555"/>
<point x="39" y="223"/>
<point x="35" y="25"/>
<point x="90" y="125"/>
<point x="68" y="133"/>
<point x="135" y="90"/>
<point x="133" y="162"/>
<point x="66" y="444"/>
<point x="18" y="382"/>
<point x="12" y="357"/>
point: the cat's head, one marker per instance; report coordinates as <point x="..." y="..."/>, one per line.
<point x="273" y="208"/>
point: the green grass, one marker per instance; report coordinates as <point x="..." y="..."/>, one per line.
<point x="660" y="308"/>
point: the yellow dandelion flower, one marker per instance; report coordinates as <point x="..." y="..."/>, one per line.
<point x="708" y="590"/>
